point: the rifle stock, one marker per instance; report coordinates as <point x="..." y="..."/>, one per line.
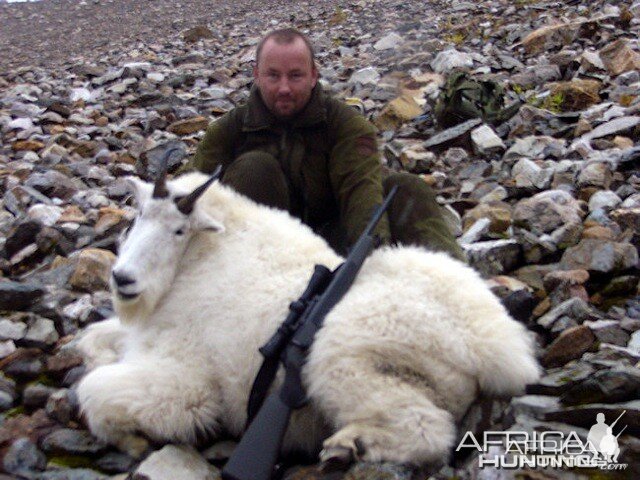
<point x="257" y="452"/>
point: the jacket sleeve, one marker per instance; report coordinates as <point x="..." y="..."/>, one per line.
<point x="356" y="176"/>
<point x="216" y="147"/>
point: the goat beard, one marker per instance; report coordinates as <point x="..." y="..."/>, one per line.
<point x="133" y="312"/>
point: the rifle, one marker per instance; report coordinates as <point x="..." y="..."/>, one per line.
<point x="255" y="456"/>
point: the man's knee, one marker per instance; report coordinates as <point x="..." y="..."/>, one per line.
<point x="412" y="192"/>
<point x="414" y="202"/>
<point x="416" y="218"/>
<point x="259" y="176"/>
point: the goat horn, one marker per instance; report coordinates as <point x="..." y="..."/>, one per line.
<point x="160" y="188"/>
<point x="186" y="204"/>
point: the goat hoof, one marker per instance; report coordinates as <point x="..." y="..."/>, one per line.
<point x="336" y="459"/>
<point x="339" y="458"/>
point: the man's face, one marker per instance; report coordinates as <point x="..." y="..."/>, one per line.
<point x="285" y="77"/>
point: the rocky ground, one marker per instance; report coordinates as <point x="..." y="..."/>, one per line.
<point x="546" y="203"/>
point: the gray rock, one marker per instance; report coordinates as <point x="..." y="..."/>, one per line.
<point x="17" y="296"/>
<point x="7" y="348"/>
<point x="26" y="256"/>
<point x="108" y="77"/>
<point x="606" y="386"/>
<point x="46" y="214"/>
<point x="632" y="201"/>
<point x="486" y="141"/>
<point x="536" y="147"/>
<point x="609" y="331"/>
<point x="115" y="462"/>
<point x="173" y="462"/>
<point x="20" y="124"/>
<point x="390" y="41"/>
<point x="537" y="75"/>
<point x="149" y="164"/>
<point x="613" y="127"/>
<point x="448" y="60"/>
<point x="575" y="309"/>
<point x="528" y="174"/>
<point x="6" y="401"/>
<point x="80" y="309"/>
<point x="12" y="330"/>
<point x="546" y="211"/>
<point x="476" y="232"/>
<point x="494" y="257"/>
<point x="454" y="156"/>
<point x="52" y="184"/>
<point x="80" y="94"/>
<point x="634" y="342"/>
<point x="194" y="57"/>
<point x="121" y="87"/>
<point x="600" y="256"/>
<point x="534" y="405"/>
<point x="216" y="93"/>
<point x="595" y="174"/>
<point x="365" y="76"/>
<point x="23" y="458"/>
<point x="605" y="199"/>
<point x="474" y="170"/>
<point x="7" y="385"/>
<point x="21" y="235"/>
<point x="454" y="136"/>
<point x="566" y="235"/>
<point x="74" y="442"/>
<point x="36" y="395"/>
<point x="155" y="77"/>
<point x="41" y="333"/>
<point x="62" y="405"/>
<point x="559" y="380"/>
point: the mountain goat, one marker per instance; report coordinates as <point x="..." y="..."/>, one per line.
<point x="206" y="276"/>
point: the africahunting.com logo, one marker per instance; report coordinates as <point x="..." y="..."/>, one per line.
<point x="550" y="449"/>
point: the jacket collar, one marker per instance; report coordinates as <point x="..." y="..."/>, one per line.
<point x="259" y="117"/>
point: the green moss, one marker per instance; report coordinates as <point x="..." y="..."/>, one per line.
<point x="14" y="412"/>
<point x="455" y="38"/>
<point x="554" y="103"/>
<point x="45" y="380"/>
<point x="70" y="461"/>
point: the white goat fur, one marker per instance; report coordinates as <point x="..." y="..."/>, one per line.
<point x="397" y="362"/>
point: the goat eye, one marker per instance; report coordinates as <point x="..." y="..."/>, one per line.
<point x="179" y="231"/>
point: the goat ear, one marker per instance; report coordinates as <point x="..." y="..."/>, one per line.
<point x="203" y="221"/>
<point x="141" y="189"/>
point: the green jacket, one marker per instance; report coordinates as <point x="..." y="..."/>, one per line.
<point x="328" y="152"/>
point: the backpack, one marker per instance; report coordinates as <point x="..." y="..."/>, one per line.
<point x="464" y="97"/>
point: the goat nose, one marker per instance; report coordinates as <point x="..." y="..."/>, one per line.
<point x="122" y="279"/>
